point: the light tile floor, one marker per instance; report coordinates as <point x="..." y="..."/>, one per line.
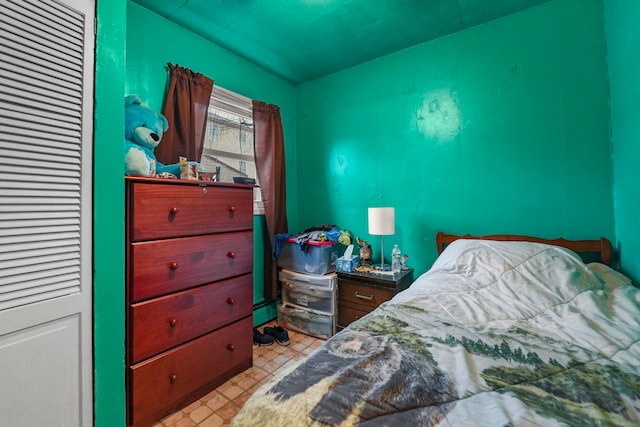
<point x="219" y="406"/>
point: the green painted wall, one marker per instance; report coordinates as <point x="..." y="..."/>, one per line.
<point x="153" y="41"/>
<point x="122" y="26"/>
<point x="623" y="41"/>
<point x="108" y="232"/>
<point x="502" y="128"/>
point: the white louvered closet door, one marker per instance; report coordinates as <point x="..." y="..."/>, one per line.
<point x="46" y="139"/>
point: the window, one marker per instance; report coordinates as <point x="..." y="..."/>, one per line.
<point x="243" y="141"/>
<point x="213" y="131"/>
<point x="228" y="145"/>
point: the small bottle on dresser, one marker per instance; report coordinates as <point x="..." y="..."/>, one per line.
<point x="396" y="263"/>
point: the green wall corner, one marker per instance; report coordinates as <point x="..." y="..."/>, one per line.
<point x="623" y="37"/>
<point x="265" y="313"/>
<point x="501" y="128"/>
<point x="108" y="228"/>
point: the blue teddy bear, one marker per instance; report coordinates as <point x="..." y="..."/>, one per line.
<point x="143" y="130"/>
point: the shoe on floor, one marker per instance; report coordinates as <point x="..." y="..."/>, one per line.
<point x="278" y="333"/>
<point x="261" y="339"/>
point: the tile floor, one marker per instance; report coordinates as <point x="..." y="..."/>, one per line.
<point x="219" y="406"/>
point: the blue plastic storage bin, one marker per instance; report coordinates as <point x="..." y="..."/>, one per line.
<point x="314" y="258"/>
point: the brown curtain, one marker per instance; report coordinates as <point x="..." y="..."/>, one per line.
<point x="185" y="108"/>
<point x="269" y="153"/>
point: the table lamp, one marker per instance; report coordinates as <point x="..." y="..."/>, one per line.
<point x="382" y="223"/>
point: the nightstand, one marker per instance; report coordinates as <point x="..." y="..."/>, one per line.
<point x="361" y="293"/>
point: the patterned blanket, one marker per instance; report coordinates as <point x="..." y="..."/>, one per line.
<point x="495" y="334"/>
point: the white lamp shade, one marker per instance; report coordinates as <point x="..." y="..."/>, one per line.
<point x="382" y="221"/>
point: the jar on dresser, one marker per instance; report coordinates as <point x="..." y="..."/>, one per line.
<point x="189" y="296"/>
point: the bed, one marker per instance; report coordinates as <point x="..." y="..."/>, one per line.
<point x="501" y="331"/>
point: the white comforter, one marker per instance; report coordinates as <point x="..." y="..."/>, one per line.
<point x="494" y="334"/>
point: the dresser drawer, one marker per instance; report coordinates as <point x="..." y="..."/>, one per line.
<point x="362" y="294"/>
<point x="158" y="383"/>
<point x="168" y="321"/>
<point x="165" y="211"/>
<point x="165" y="266"/>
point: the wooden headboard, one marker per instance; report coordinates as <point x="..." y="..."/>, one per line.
<point x="589" y="250"/>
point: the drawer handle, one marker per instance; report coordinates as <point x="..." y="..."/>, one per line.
<point x="231" y="301"/>
<point x="174" y="266"/>
<point x="231" y="209"/>
<point x="364" y="297"/>
<point x="174" y="211"/>
<point x="231" y="347"/>
<point x="173" y="322"/>
<point x="231" y="254"/>
<point x="173" y="378"/>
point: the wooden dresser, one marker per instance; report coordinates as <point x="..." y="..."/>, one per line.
<point x="189" y="266"/>
<point x="361" y="293"/>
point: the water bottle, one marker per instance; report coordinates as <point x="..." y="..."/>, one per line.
<point x="396" y="263"/>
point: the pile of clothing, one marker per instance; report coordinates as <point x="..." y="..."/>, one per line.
<point x="317" y="233"/>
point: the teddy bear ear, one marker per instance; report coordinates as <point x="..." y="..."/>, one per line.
<point x="165" y="123"/>
<point x="132" y="99"/>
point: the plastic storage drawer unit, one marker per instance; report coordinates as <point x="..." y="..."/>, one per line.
<point x="310" y="291"/>
<point x="313" y="258"/>
<point x="306" y="321"/>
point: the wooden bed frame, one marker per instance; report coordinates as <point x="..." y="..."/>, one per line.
<point x="589" y="250"/>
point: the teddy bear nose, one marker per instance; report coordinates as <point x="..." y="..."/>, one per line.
<point x="154" y="136"/>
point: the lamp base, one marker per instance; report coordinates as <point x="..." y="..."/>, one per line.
<point x="382" y="267"/>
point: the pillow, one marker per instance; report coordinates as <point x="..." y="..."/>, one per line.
<point x="609" y="276"/>
<point x="489" y="260"/>
<point x="532" y="293"/>
<point x="516" y="265"/>
<point x="475" y="281"/>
